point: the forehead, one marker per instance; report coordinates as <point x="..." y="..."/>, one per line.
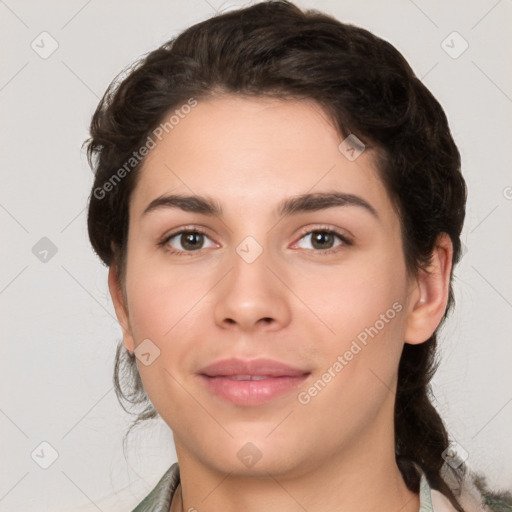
<point x="250" y="153"/>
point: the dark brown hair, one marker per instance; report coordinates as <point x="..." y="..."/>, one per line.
<point x="368" y="89"/>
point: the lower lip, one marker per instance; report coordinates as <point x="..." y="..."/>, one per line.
<point x="251" y="392"/>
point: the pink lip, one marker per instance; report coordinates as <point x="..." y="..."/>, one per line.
<point x="278" y="378"/>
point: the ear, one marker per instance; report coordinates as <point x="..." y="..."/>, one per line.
<point x="429" y="295"/>
<point x="120" y="306"/>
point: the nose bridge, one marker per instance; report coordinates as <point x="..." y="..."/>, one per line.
<point x="251" y="276"/>
<point x="251" y="291"/>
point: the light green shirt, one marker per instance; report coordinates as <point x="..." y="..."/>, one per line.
<point x="159" y="499"/>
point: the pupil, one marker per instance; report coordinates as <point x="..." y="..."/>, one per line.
<point x="321" y="237"/>
<point x="189" y="240"/>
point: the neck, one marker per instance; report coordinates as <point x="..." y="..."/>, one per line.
<point x="359" y="473"/>
<point x="362" y="478"/>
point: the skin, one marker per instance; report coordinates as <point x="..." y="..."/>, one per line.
<point x="337" y="451"/>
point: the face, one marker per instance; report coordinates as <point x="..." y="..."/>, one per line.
<point x="270" y="329"/>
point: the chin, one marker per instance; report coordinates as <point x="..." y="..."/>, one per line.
<point x="256" y="456"/>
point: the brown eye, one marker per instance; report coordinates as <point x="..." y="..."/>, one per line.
<point x="185" y="241"/>
<point x="324" y="241"/>
<point x="191" y="241"/>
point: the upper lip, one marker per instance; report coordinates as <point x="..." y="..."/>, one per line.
<point x="253" y="367"/>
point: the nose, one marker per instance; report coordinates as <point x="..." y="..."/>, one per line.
<point x="253" y="296"/>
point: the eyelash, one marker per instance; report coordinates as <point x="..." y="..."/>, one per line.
<point x="344" y="239"/>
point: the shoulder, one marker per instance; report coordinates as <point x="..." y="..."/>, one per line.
<point x="495" y="501"/>
<point x="159" y="499"/>
<point x="474" y="496"/>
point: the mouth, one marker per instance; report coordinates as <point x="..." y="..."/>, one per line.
<point x="251" y="383"/>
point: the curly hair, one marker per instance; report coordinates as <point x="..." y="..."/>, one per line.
<point x="368" y="89"/>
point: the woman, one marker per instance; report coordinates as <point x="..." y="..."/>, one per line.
<point x="279" y="201"/>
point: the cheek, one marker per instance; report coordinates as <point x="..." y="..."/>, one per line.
<point x="360" y="357"/>
<point x="164" y="309"/>
<point x="363" y="305"/>
<point x="160" y="301"/>
<point x="368" y="292"/>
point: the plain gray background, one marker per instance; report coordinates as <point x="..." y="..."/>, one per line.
<point x="58" y="326"/>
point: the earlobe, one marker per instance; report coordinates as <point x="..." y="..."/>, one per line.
<point x="120" y="307"/>
<point x="429" y="297"/>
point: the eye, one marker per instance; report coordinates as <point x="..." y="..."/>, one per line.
<point x="189" y="241"/>
<point x="185" y="241"/>
<point x="323" y="240"/>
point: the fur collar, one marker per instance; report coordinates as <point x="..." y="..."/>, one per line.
<point x="466" y="493"/>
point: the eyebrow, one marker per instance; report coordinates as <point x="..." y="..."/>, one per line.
<point x="303" y="203"/>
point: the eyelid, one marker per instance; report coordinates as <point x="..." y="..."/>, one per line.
<point x="181" y="229"/>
